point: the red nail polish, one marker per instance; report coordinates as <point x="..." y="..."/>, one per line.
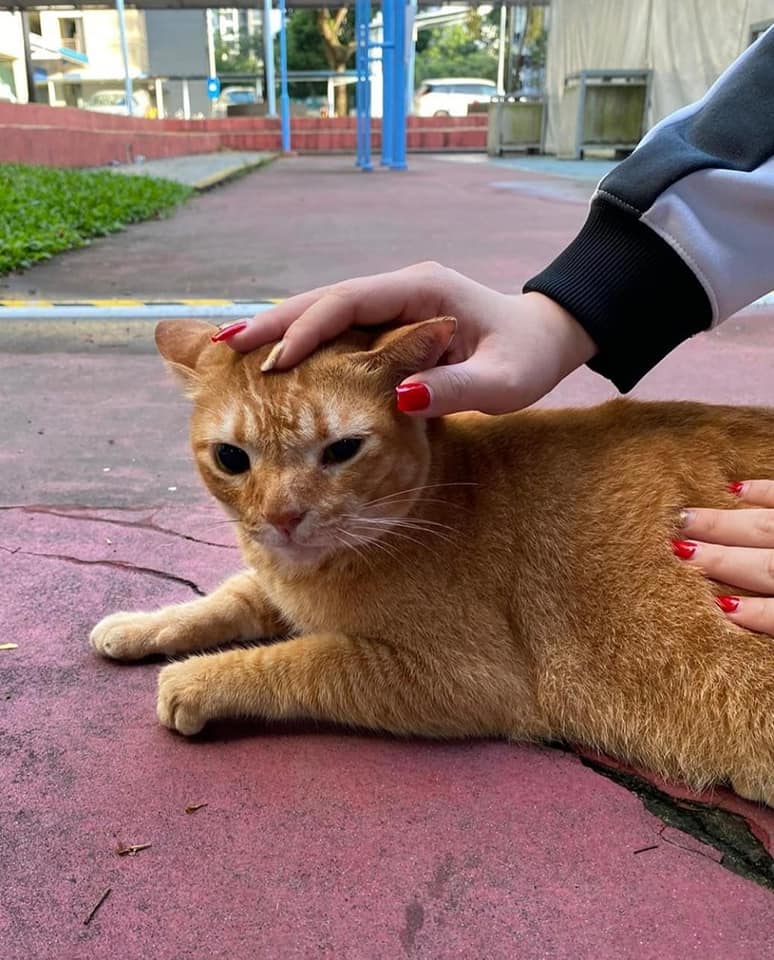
<point x="684" y="549"/>
<point x="728" y="604"/>
<point x="736" y="488"/>
<point x="412" y="397"/>
<point x="231" y="330"/>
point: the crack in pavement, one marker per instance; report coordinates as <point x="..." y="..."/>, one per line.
<point x="120" y="564"/>
<point x="730" y="834"/>
<point x="142" y="525"/>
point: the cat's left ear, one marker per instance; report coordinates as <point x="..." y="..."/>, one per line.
<point x="410" y="349"/>
<point x="180" y="343"/>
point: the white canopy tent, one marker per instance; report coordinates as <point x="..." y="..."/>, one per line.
<point x="685" y="44"/>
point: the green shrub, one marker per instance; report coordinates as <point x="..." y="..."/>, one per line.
<point x="45" y="210"/>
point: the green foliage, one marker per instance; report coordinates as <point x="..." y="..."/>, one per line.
<point x="45" y="210"/>
<point x="245" y="57"/>
<point x="305" y="51"/>
<point x="456" y="50"/>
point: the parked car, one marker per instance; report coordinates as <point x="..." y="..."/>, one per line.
<point x="235" y="96"/>
<point x="114" y="101"/>
<point x="451" y="96"/>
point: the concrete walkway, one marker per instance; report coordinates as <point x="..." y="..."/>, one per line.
<point x="200" y="171"/>
<point x="313" y="842"/>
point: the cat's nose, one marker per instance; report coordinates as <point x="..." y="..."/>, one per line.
<point x="285" y="522"/>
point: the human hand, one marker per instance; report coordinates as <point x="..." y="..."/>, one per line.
<point x="737" y="547"/>
<point x="509" y="350"/>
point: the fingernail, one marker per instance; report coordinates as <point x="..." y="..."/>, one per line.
<point x="230" y="330"/>
<point x="736" y="488"/>
<point x="412" y="397"/>
<point x="270" y="362"/>
<point x="728" y="604"/>
<point x="685" y="517"/>
<point x="684" y="549"/>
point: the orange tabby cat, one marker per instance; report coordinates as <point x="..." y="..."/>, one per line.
<point x="472" y="576"/>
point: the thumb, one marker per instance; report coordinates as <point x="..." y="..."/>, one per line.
<point x="442" y="390"/>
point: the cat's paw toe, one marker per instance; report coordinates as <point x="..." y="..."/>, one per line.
<point x="124" y="636"/>
<point x="182" y="696"/>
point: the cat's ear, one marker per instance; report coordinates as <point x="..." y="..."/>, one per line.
<point x="410" y="349"/>
<point x="180" y="343"/>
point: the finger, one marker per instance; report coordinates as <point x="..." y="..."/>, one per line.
<point x="755" y="613"/>
<point x="749" y="568"/>
<point x="408" y="295"/>
<point x="734" y="528"/>
<point x="758" y="492"/>
<point x="473" y="384"/>
<point x="272" y="324"/>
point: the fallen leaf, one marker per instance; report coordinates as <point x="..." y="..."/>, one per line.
<point x="193" y="807"/>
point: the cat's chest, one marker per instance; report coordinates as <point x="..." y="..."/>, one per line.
<point x="325" y="605"/>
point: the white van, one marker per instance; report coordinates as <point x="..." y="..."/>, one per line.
<point x="451" y="96"/>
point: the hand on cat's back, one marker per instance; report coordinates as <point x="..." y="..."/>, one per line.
<point x="737" y="547"/>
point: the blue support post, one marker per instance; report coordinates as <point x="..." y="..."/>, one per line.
<point x="268" y="61"/>
<point x="284" y="95"/>
<point x="363" y="85"/>
<point x="388" y="77"/>
<point x="400" y="86"/>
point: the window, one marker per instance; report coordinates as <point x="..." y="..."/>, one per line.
<point x="71" y="34"/>
<point x="33" y="19"/>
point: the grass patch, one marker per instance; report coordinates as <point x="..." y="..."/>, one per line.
<point x="45" y="210"/>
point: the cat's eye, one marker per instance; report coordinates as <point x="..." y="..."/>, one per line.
<point x="341" y="450"/>
<point x="231" y="459"/>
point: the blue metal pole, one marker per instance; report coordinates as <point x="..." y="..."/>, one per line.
<point x="388" y="77"/>
<point x="125" y="57"/>
<point x="358" y="87"/>
<point x="284" y="95"/>
<point x="268" y="61"/>
<point x="363" y="89"/>
<point x="399" y="87"/>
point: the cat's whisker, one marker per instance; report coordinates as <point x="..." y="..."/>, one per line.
<point x="413" y="521"/>
<point x="376" y="542"/>
<point x="390" y="531"/>
<point x="425" y="486"/>
<point x="390" y="523"/>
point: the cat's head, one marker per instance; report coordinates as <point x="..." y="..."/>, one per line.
<point x="316" y="459"/>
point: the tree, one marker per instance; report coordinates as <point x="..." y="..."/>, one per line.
<point x="244" y="56"/>
<point x="456" y="50"/>
<point x="320" y="40"/>
<point x="339" y="45"/>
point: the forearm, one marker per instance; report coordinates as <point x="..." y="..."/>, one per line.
<point x="678" y="236"/>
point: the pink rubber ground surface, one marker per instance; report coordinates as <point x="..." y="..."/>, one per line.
<point x="314" y="842"/>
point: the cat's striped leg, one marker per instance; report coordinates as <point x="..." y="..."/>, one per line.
<point x="333" y="677"/>
<point x="236" y="610"/>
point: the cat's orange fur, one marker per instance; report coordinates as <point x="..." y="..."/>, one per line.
<point x="507" y="576"/>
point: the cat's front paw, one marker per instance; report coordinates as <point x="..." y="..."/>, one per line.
<point x="127" y="636"/>
<point x="183" y="695"/>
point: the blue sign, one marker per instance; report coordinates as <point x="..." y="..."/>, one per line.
<point x="213" y="88"/>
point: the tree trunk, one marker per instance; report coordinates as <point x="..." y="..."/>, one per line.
<point x="337" y="51"/>
<point x="341" y="94"/>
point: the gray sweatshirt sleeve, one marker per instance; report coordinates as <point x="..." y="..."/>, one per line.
<point x="680" y="235"/>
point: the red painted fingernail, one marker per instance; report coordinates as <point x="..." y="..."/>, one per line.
<point x="728" y="604"/>
<point x="412" y="397"/>
<point x="684" y="549"/>
<point x="230" y="331"/>
<point x="736" y="488"/>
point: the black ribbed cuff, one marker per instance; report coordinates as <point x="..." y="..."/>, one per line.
<point x="632" y="293"/>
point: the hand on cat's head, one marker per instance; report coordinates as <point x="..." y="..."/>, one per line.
<point x="509" y="352"/>
<point x="316" y="459"/>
